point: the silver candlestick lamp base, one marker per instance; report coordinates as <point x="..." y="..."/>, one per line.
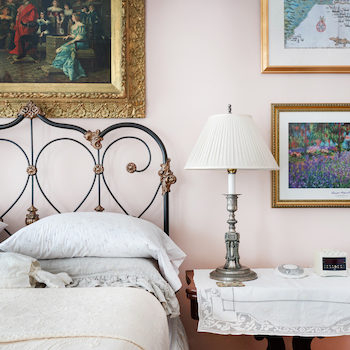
<point x="232" y="270"/>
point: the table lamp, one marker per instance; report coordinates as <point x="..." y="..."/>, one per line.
<point x="231" y="142"/>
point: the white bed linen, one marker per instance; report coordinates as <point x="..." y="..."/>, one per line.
<point x="117" y="272"/>
<point x="313" y="306"/>
<point x="71" y="344"/>
<point x="125" y="272"/>
<point x="20" y="271"/>
<point x="126" y="315"/>
<point x="178" y="341"/>
<point x="82" y="234"/>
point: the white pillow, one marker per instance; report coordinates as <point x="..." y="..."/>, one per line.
<point x="82" y="234"/>
<point x="2" y="226"/>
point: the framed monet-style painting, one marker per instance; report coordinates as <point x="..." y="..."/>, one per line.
<point x="311" y="143"/>
<point x="73" y="58"/>
<point x="305" y="36"/>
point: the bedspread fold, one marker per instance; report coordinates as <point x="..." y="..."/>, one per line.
<point x="127" y="314"/>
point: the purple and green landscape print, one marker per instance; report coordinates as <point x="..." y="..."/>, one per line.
<point x="319" y="155"/>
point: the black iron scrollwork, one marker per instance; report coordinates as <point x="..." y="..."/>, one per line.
<point x="31" y="111"/>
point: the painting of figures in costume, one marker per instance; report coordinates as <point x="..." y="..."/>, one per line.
<point x="73" y="58"/>
<point x="55" y="41"/>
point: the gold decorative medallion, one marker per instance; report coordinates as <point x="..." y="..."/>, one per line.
<point x="94" y="138"/>
<point x="98" y="169"/>
<point x="167" y="177"/>
<point x="32" y="170"/>
<point x="32" y="216"/>
<point x="131" y="168"/>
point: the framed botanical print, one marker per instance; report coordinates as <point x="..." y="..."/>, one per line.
<point x="81" y="59"/>
<point x="305" y="36"/>
<point x="311" y="143"/>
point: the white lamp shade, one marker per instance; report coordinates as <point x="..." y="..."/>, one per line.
<point x="230" y="141"/>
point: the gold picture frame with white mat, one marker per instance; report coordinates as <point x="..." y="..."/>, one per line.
<point x="301" y="39"/>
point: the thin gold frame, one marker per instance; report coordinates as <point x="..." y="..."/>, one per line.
<point x="265" y="66"/>
<point x="123" y="98"/>
<point x="275" y="113"/>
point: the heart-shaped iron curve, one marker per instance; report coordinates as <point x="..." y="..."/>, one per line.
<point x="27" y="179"/>
<point x="136" y="170"/>
<point x="37" y="180"/>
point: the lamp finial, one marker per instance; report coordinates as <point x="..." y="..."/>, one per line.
<point x="229" y="109"/>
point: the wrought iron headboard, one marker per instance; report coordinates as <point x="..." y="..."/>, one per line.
<point x="31" y="111"/>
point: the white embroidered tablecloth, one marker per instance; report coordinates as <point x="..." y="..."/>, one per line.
<point x="273" y="305"/>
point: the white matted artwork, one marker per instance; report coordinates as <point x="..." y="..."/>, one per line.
<point x="311" y="143"/>
<point x="305" y="36"/>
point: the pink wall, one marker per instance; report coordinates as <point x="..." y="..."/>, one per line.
<point x="202" y="55"/>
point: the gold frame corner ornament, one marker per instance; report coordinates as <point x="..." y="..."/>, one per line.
<point x="266" y="68"/>
<point x="124" y="97"/>
<point x="30" y="110"/>
<point x="276" y="109"/>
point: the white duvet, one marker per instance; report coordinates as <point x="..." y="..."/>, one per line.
<point x="72" y="344"/>
<point x="124" y="319"/>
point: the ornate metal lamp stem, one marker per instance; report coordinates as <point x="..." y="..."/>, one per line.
<point x="232" y="237"/>
<point x="232" y="270"/>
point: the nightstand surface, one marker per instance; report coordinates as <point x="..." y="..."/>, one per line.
<point x="275" y="342"/>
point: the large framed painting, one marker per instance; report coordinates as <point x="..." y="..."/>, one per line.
<point x="73" y="58"/>
<point x="311" y="143"/>
<point x="305" y="36"/>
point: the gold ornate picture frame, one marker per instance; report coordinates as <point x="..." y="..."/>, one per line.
<point x="123" y="97"/>
<point x="292" y="41"/>
<point x="311" y="143"/>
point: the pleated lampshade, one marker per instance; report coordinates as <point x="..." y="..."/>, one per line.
<point x="231" y="141"/>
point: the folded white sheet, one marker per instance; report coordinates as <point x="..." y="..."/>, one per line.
<point x="20" y="271"/>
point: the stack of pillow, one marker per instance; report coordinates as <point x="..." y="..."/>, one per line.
<point x="104" y="249"/>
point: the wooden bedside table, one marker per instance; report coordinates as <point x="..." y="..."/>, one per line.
<point x="191" y="294"/>
<point x="273" y="342"/>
